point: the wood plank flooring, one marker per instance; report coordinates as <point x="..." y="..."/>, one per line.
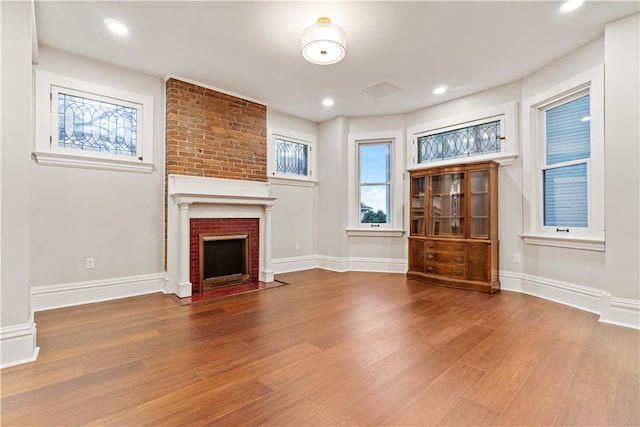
<point x="359" y="349"/>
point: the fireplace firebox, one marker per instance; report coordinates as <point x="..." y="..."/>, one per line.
<point x="224" y="260"/>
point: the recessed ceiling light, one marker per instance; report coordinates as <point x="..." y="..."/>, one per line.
<point x="116" y="27"/>
<point x="440" y="89"/>
<point x="571" y="5"/>
<point x="327" y="102"/>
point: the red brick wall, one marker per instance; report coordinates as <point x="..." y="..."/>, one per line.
<point x="221" y="226"/>
<point x="211" y="134"/>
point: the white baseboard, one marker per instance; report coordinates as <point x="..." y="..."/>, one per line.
<point x="18" y="344"/>
<point x="621" y="311"/>
<point x="286" y="265"/>
<point x="617" y="311"/>
<point x="56" y="296"/>
<point x="378" y="265"/>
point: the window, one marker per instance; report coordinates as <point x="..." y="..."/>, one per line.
<point x="374" y="170"/>
<point x="564" y="171"/>
<point x="292" y="158"/>
<point x="81" y="124"/>
<point x="487" y="134"/>
<point x="564" y="129"/>
<point x="375" y="184"/>
<point x="93" y="124"/>
<point x="291" y="155"/>
<point x="468" y="141"/>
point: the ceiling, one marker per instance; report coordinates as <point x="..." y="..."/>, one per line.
<point x="252" y="49"/>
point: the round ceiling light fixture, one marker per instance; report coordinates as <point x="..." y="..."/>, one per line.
<point x="324" y="43"/>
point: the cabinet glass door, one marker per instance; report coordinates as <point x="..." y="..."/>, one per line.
<point x="446" y="205"/>
<point x="417" y="205"/>
<point x="479" y="209"/>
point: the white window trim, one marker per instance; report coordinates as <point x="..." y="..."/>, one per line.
<point x="45" y="148"/>
<point x="299" y="137"/>
<point x="507" y="114"/>
<point x="535" y="233"/>
<point x="395" y="227"/>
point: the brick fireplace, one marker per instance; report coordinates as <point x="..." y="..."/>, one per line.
<point x="233" y="256"/>
<point x="216" y="180"/>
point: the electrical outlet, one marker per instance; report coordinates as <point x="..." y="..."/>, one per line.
<point x="297" y="246"/>
<point x="89" y="263"/>
<point x="516" y="258"/>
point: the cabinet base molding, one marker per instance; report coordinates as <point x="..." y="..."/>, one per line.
<point x="490" y="288"/>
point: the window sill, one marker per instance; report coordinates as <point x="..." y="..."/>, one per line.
<point x="57" y="159"/>
<point x="380" y="232"/>
<point x="502" y="159"/>
<point x="584" y="244"/>
<point x="292" y="181"/>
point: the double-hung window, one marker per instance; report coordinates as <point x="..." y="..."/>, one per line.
<point x="374" y="171"/>
<point x="375" y="184"/>
<point x="81" y="124"/>
<point x="564" y="130"/>
<point x="565" y="164"/>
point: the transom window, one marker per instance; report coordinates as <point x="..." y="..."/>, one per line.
<point x="477" y="135"/>
<point x="88" y="123"/>
<point x="82" y="124"/>
<point x="292" y="158"/>
<point x="468" y="141"/>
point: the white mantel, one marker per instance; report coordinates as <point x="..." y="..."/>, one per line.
<point x="197" y="197"/>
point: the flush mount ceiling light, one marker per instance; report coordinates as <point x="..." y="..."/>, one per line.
<point x="324" y="43"/>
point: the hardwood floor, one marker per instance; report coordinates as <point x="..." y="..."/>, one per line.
<point x="354" y="348"/>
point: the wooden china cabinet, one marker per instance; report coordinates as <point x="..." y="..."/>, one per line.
<point x="453" y="238"/>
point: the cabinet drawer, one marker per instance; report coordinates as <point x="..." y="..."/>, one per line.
<point x="446" y="257"/>
<point x="445" y="270"/>
<point x="437" y="245"/>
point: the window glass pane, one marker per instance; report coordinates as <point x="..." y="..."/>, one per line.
<point x="93" y="125"/>
<point x="464" y="142"/>
<point x="375" y="182"/>
<point x="291" y="158"/>
<point x="375" y="163"/>
<point x="374" y="204"/>
<point x="565" y="196"/>
<point x="568" y="131"/>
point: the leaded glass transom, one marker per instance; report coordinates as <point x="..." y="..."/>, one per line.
<point x="464" y="142"/>
<point x="291" y="157"/>
<point x="95" y="125"/>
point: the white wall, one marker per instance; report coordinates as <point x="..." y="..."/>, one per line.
<point x="510" y="176"/>
<point x="115" y="217"/>
<point x="333" y="245"/>
<point x="294" y="215"/>
<point x="622" y="151"/>
<point x="375" y="252"/>
<point x="17" y="330"/>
